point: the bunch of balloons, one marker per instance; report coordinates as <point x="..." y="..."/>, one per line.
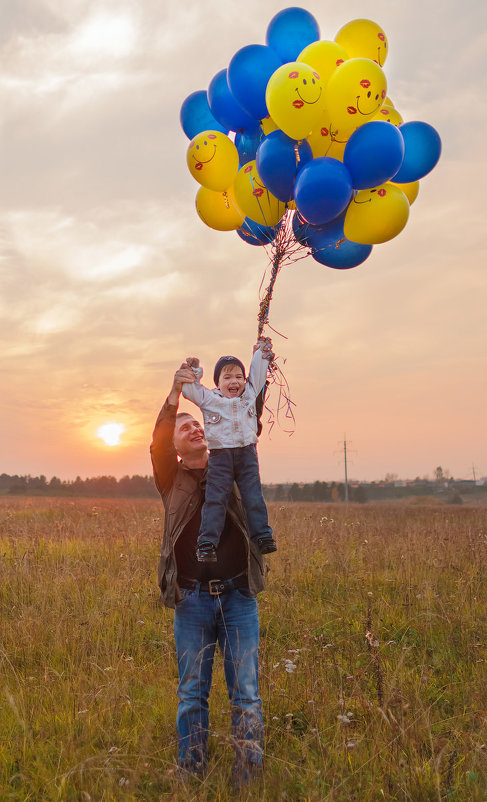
<point x="306" y="124"/>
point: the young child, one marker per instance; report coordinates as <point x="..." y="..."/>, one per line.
<point x="230" y="419"/>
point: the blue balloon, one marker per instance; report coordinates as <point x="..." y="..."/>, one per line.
<point x="343" y="255"/>
<point x="256" y="234"/>
<point x="422" y="151"/>
<point x="304" y="231"/>
<point x="322" y="237"/>
<point x="195" y="115"/>
<point x="301" y="229"/>
<point x="248" y="74"/>
<point x="323" y="189"/>
<point x="279" y="160"/>
<point x="373" y="154"/>
<point x="247" y="143"/>
<point x="290" y="31"/>
<point x="330" y="247"/>
<point x="224" y="107"/>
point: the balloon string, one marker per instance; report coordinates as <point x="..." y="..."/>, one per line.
<point x="266" y="301"/>
<point x="284" y="405"/>
<point x="284" y="249"/>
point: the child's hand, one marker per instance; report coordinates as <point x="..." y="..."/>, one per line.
<point x="265" y="344"/>
<point x="192" y="361"/>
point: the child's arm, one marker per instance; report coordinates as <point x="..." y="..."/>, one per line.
<point x="259" y="365"/>
<point x="195" y="391"/>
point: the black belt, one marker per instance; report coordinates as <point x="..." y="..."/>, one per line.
<point x="215" y="586"/>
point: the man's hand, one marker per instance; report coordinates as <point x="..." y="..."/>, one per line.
<point x="183" y="374"/>
<point x="192" y="361"/>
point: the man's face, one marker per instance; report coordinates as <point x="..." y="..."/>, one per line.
<point x="231" y="382"/>
<point x="189" y="437"/>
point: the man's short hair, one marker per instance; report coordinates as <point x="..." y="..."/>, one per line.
<point x="183" y="415"/>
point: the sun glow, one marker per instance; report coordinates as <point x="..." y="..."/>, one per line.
<point x="105" y="34"/>
<point x="110" y="433"/>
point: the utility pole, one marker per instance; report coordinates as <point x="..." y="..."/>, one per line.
<point x="345" y="458"/>
<point x="473" y="471"/>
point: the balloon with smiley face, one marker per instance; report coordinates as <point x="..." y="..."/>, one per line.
<point x="363" y="38"/>
<point x="212" y="160"/>
<point x="389" y="114"/>
<point x="324" y="57"/>
<point x="254" y="199"/>
<point x="294" y="97"/>
<point x="219" y="210"/>
<point x="355" y="92"/>
<point x="327" y="140"/>
<point x="376" y="215"/>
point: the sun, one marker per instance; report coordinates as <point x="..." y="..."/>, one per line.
<point x="110" y="433"/>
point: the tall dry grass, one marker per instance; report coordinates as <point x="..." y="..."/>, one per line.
<point x="373" y="656"/>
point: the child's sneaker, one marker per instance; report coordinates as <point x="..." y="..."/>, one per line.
<point x="266" y="544"/>
<point x="206" y="553"/>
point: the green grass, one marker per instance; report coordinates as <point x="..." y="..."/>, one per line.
<point x="373" y="656"/>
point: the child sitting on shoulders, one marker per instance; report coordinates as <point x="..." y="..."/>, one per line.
<point x="230" y="418"/>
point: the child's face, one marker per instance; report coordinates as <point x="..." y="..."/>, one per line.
<point x="231" y="382"/>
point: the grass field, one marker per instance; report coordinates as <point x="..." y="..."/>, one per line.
<point x="373" y="656"/>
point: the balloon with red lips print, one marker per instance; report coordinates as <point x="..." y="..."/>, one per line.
<point x="313" y="137"/>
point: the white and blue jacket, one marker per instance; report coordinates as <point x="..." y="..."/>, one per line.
<point x="229" y="422"/>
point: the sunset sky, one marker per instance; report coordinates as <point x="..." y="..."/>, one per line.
<point x="109" y="278"/>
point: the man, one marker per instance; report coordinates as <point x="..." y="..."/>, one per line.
<point x="214" y="602"/>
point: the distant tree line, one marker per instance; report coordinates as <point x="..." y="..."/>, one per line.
<point x="98" y="486"/>
<point x="390" y="488"/>
<point x="315" y="491"/>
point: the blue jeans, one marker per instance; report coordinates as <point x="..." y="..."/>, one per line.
<point x="200" y="621"/>
<point x="226" y="465"/>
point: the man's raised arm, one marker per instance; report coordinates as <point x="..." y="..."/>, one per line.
<point x="163" y="454"/>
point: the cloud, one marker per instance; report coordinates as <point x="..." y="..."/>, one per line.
<point x="109" y="278"/>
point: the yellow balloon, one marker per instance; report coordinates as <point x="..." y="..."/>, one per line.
<point x="268" y="125"/>
<point x="389" y="114"/>
<point x="212" y="160"/>
<point x="294" y="97"/>
<point x="254" y="199"/>
<point x="363" y="38"/>
<point x="355" y="92"/>
<point x="324" y="57"/>
<point x="376" y="215"/>
<point x="410" y="190"/>
<point x="219" y="210"/>
<point x="327" y="141"/>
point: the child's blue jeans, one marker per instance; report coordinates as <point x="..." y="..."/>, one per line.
<point x="226" y="466"/>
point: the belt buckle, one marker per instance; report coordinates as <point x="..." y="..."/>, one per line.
<point x="216" y="586"/>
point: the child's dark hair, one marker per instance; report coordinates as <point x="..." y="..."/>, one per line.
<point x="223" y="362"/>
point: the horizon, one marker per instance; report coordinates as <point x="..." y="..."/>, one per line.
<point x="388" y="478"/>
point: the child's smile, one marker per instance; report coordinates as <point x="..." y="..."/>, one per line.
<point x="231" y="382"/>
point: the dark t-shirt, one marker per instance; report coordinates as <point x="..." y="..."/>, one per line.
<point x="231" y="552"/>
